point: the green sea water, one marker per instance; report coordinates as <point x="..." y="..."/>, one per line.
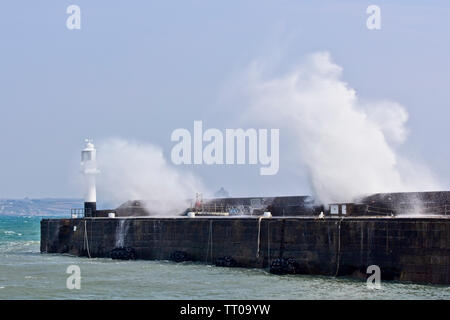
<point x="25" y="273"/>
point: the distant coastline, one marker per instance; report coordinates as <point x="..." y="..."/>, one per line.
<point x="39" y="207"/>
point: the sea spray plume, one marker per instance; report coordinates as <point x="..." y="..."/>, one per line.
<point x="139" y="171"/>
<point x="346" y="145"/>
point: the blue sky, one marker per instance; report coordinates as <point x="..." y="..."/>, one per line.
<point x="140" y="69"/>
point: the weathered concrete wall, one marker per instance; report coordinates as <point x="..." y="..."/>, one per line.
<point x="406" y="249"/>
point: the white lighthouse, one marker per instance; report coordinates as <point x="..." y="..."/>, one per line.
<point x="89" y="170"/>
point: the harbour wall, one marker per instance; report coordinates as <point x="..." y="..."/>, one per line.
<point x="406" y="249"/>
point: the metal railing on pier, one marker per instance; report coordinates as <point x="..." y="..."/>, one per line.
<point x="78" y="213"/>
<point x="436" y="210"/>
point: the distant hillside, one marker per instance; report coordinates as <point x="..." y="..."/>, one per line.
<point x="39" y="207"/>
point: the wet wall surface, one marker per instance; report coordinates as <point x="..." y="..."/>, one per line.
<point x="405" y="249"/>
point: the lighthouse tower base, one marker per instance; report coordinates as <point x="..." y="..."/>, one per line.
<point x="90" y="208"/>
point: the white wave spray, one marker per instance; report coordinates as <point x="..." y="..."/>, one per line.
<point x="121" y="232"/>
<point x="139" y="171"/>
<point x="347" y="145"/>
